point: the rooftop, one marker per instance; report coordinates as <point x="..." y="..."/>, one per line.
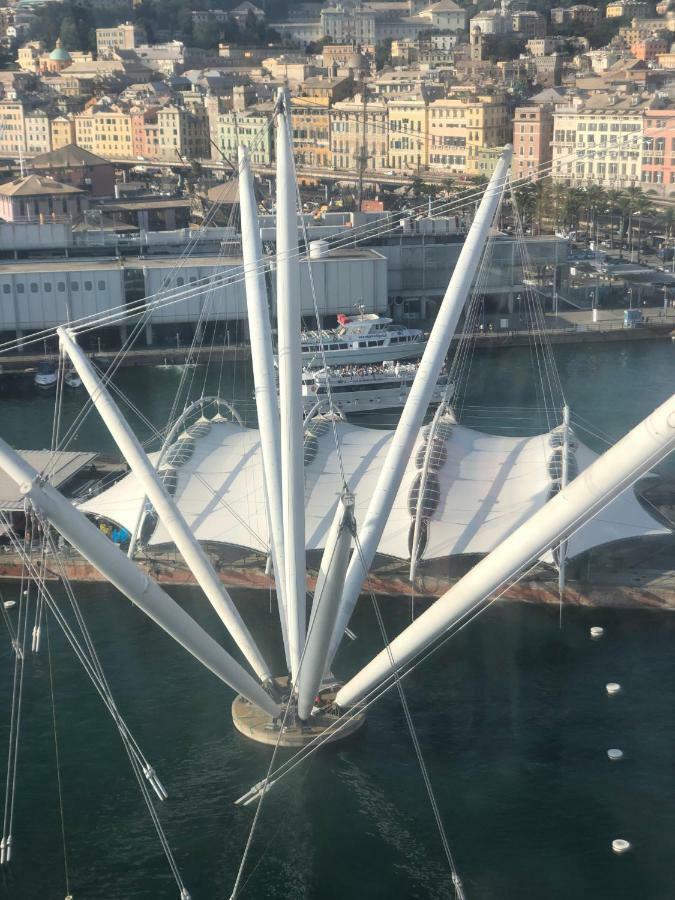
<point x="36" y="186"/>
<point x="69" y="157"/>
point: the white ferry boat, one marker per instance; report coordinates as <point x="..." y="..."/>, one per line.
<point x="363" y="338"/>
<point x="362" y="388"/>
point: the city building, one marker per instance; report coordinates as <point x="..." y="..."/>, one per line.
<point x="529" y="23"/>
<point x="121" y="37"/>
<point x="311" y="133"/>
<point x="494" y="21"/>
<point x="63" y="132"/>
<point x="36" y="198"/>
<point x="460" y="127"/>
<point x="598" y="140"/>
<point x="359" y="134"/>
<point x="78" y="167"/>
<point x="627" y="9"/>
<point x="532" y="137"/>
<point x="408" y="134"/>
<point x="658" y="152"/>
<point x="581" y="12"/>
<point x="12" y="129"/>
<point x="250" y="127"/>
<point x="37" y="131"/>
<point x="446" y="15"/>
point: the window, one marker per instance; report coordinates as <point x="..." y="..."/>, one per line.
<point x="6" y="289"/>
<point x="20" y="289"/>
<point x="47" y="287"/>
<point x="74" y="285"/>
<point x="60" y="286"/>
<point x="88" y="285"/>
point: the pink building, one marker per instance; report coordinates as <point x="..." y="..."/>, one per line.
<point x="658" y="152"/>
<point x="145" y="133"/>
<point x="532" y="136"/>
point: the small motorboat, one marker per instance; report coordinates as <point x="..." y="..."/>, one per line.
<point x="45" y="377"/>
<point x="72" y="379"/>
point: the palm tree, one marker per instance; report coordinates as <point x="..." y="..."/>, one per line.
<point x="614" y="206"/>
<point x="595" y="198"/>
<point x="633" y="201"/>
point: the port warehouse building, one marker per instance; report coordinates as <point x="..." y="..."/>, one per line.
<point x="42" y="286"/>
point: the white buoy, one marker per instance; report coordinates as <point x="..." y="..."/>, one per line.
<point x="615" y="753"/>
<point x="620" y="846"/>
<point x="613" y="688"/>
<point x="597" y="632"/>
<point x="8" y="604"/>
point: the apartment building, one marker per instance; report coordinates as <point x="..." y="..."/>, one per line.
<point x="311" y="132"/>
<point x="598" y="141"/>
<point x="63" y="132"/>
<point x="122" y="37"/>
<point x="459" y="127"/>
<point x="408" y="134"/>
<point x="355" y="126"/>
<point x="658" y="152"/>
<point x="184" y="131"/>
<point x="581" y="12"/>
<point x="250" y="127"/>
<point x="106" y="132"/>
<point x="630" y="9"/>
<point x="532" y="136"/>
<point x="12" y="129"/>
<point x="38" y="133"/>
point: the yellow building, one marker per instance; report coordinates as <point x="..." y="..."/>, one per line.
<point x="63" y="132"/>
<point x="634" y="9"/>
<point x="311" y="132"/>
<point x="408" y="134"/>
<point x="37" y="132"/>
<point x="12" y="132"/>
<point x="357" y="127"/>
<point x="105" y="132"/>
<point x="184" y="131"/>
<point x="461" y="127"/>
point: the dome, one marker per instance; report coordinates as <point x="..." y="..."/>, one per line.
<point x="58" y="54"/>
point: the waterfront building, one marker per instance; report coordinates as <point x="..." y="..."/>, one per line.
<point x="105" y="131"/>
<point x="658" y="152"/>
<point x="184" y="130"/>
<point x="37" y="198"/>
<point x="460" y="127"/>
<point x="78" y="167"/>
<point x="532" y="137"/>
<point x="360" y="131"/>
<point x="408" y="134"/>
<point x="311" y="132"/>
<point x="249" y="127"/>
<point x="603" y="131"/>
<point x="37" y="129"/>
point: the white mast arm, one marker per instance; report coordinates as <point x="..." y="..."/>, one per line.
<point x="420" y="394"/>
<point x="289" y="323"/>
<point x="167" y="511"/>
<point x="564" y="479"/>
<point x="264" y="377"/>
<point x="327" y="595"/>
<point x="610" y="474"/>
<point x="130" y="580"/>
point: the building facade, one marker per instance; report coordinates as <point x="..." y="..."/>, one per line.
<point x="532" y="137"/>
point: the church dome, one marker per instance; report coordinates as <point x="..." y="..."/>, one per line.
<point x="58" y="54"/>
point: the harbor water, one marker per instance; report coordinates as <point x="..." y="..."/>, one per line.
<point x="512" y="716"/>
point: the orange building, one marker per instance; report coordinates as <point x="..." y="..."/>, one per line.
<point x="532" y="136"/>
<point x="649" y="48"/>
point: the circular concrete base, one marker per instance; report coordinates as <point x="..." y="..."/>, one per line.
<point x="257" y="725"/>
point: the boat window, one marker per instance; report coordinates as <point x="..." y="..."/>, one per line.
<point x="47" y="287"/>
<point x="343" y="346"/>
<point x="60" y="286"/>
<point x="33" y="287"/>
<point x="6" y="289"/>
<point x="20" y="289"/>
<point x="88" y="285"/>
<point x="74" y="285"/>
<point x="101" y="285"/>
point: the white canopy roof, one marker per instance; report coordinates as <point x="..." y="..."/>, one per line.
<point x="489" y="485"/>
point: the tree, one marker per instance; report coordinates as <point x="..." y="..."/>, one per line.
<point x="69" y="35"/>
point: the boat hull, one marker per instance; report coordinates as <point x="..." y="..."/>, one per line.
<point x="368" y="400"/>
<point x="362" y="355"/>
